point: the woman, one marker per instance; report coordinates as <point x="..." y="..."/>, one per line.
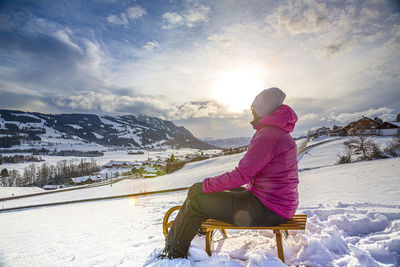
<point x="268" y="172"/>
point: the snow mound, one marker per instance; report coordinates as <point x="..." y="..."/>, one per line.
<point x="359" y="235"/>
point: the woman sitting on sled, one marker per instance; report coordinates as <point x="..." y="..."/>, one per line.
<point x="260" y="191"/>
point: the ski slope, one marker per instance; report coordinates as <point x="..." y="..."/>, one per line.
<point x="353" y="210"/>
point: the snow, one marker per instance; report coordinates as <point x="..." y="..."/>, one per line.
<point x="114" y="125"/>
<point x="189" y="174"/>
<point x="77" y="127"/>
<point x="327" y="154"/>
<point x="17" y="191"/>
<point x="26" y="115"/>
<point x="98" y="136"/>
<point x="353" y="211"/>
<point x="149" y="169"/>
<point x="120" y="155"/>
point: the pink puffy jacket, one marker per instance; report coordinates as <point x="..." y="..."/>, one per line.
<point x="269" y="168"/>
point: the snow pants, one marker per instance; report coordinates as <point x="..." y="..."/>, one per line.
<point x="237" y="206"/>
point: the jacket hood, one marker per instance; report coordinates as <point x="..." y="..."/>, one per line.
<point x="284" y="118"/>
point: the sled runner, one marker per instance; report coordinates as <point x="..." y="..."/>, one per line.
<point x="298" y="222"/>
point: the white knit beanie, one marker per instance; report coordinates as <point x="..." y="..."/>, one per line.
<point x="268" y="101"/>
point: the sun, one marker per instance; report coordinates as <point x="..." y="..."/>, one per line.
<point x="237" y="88"/>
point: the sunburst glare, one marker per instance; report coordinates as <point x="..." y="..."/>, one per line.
<point x="237" y="88"/>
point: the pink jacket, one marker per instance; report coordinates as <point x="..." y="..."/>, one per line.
<point x="269" y="168"/>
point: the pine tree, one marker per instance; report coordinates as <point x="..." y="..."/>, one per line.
<point x="4" y="172"/>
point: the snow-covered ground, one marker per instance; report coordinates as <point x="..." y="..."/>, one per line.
<point x="18" y="191"/>
<point x="353" y="211"/>
<point x="328" y="154"/>
<point x="189" y="174"/>
<point x="120" y="155"/>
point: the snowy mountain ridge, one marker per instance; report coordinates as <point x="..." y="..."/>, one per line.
<point x="138" y="131"/>
<point x="228" y="142"/>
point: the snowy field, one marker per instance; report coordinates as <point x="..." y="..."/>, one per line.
<point x="328" y="154"/>
<point x="120" y="155"/>
<point x="353" y="211"/>
<point x="189" y="174"/>
<point x="18" y="191"/>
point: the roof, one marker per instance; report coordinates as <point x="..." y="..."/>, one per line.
<point x="395" y="124"/>
<point x="50" y="186"/>
<point x="112" y="163"/>
<point x="150" y="169"/>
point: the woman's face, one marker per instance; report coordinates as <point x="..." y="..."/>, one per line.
<point x="256" y="118"/>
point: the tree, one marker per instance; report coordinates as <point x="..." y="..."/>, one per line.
<point x="15" y="178"/>
<point x="377" y="119"/>
<point x="345" y="158"/>
<point x="398" y="117"/>
<point x="393" y="148"/>
<point x="30" y="174"/>
<point x="173" y="164"/>
<point x="43" y="174"/>
<point x="363" y="146"/>
<point x="4" y="172"/>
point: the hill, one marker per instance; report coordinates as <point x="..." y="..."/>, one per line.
<point x="32" y="130"/>
<point x="228" y="142"/>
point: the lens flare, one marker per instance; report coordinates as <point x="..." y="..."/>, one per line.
<point x="133" y="200"/>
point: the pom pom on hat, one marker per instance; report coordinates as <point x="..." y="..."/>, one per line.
<point x="268" y="101"/>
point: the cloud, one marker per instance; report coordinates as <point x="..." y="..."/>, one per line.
<point x="142" y="104"/>
<point x="202" y="109"/>
<point x="371" y="113"/>
<point x="334" y="28"/>
<point x="191" y="17"/>
<point x="150" y="46"/>
<point x="125" y="17"/>
<point x="109" y="102"/>
<point x="172" y="18"/>
<point x="136" y="12"/>
<point x="311" y="116"/>
<point x="122" y="19"/>
<point x="196" y="15"/>
<point x="47" y="58"/>
<point x="297" y="17"/>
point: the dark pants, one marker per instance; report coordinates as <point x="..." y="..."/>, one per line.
<point x="237" y="206"/>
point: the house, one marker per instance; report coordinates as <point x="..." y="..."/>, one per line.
<point x="51" y="187"/>
<point x="150" y="175"/>
<point x="338" y="132"/>
<point x="389" y="128"/>
<point x="120" y="164"/>
<point x="318" y="132"/>
<point x="364" y="126"/>
<point x="135" y="152"/>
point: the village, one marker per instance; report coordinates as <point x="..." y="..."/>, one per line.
<point x="141" y="164"/>
<point x="115" y="170"/>
<point x="363" y="126"/>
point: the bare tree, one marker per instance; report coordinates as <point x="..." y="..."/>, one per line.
<point x="43" y="174"/>
<point x="30" y="174"/>
<point x="393" y="148"/>
<point x="16" y="178"/>
<point x="364" y="147"/>
<point x="345" y="157"/>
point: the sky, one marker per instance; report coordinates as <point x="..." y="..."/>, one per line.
<point x="201" y="63"/>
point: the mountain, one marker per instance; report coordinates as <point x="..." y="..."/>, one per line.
<point x="18" y="128"/>
<point x="229" y="142"/>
